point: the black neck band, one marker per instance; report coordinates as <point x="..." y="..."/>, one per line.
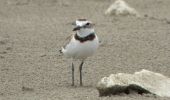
<point x="90" y="37"/>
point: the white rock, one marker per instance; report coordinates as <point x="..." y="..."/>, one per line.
<point x="120" y="7"/>
<point x="141" y="82"/>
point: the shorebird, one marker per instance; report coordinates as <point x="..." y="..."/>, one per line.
<point x="83" y="43"/>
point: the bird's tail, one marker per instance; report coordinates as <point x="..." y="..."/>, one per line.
<point x="61" y="50"/>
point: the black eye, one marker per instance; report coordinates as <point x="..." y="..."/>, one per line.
<point x="88" y="24"/>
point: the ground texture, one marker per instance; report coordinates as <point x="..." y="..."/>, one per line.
<point x="32" y="32"/>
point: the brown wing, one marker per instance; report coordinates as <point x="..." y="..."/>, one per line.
<point x="68" y="39"/>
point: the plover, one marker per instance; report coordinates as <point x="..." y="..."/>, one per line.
<point x="84" y="42"/>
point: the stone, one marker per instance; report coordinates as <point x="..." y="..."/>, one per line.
<point x="142" y="82"/>
<point x="120" y="7"/>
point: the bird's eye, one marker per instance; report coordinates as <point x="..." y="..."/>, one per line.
<point x="88" y="24"/>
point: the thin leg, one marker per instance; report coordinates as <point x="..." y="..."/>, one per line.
<point x="80" y="69"/>
<point x="72" y="74"/>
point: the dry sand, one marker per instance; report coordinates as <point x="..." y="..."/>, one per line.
<point x="32" y="32"/>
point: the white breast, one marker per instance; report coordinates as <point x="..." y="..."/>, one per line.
<point x="78" y="50"/>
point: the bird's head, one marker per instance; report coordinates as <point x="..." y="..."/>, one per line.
<point x="83" y="26"/>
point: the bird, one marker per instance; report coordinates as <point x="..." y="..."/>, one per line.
<point x="83" y="43"/>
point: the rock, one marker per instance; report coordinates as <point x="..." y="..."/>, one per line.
<point x="140" y="82"/>
<point x="120" y="7"/>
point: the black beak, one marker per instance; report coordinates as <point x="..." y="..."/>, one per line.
<point x="76" y="28"/>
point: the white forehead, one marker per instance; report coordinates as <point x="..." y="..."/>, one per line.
<point x="81" y="23"/>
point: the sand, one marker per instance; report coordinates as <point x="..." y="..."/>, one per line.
<point x="32" y="32"/>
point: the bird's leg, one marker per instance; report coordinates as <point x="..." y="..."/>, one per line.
<point x="72" y="74"/>
<point x="80" y="69"/>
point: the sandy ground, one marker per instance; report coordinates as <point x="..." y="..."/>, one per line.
<point x="32" y="32"/>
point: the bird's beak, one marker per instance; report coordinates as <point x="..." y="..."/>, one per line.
<point x="76" y="28"/>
